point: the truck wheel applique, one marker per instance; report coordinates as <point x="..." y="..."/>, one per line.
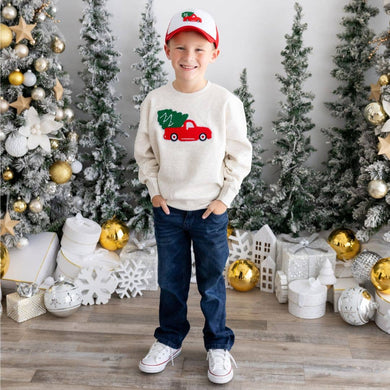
<point x="177" y="127"/>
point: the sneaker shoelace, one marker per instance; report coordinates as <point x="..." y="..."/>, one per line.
<point x="158" y="349"/>
<point x="220" y="358"/>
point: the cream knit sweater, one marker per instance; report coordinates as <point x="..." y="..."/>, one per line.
<point x="193" y="163"/>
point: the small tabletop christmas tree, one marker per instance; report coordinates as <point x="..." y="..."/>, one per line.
<point x="291" y="200"/>
<point x="152" y="76"/>
<point x="340" y="193"/>
<point x="247" y="211"/>
<point x="38" y="143"/>
<point x="103" y="185"/>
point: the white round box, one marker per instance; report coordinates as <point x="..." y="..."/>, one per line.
<point x="307" y="298"/>
<point x="382" y="315"/>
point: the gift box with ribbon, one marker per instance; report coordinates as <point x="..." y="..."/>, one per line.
<point x="303" y="257"/>
<point x="26" y="303"/>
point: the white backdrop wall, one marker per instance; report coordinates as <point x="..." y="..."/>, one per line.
<point x="251" y="36"/>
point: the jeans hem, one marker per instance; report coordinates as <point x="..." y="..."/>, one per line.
<point x="168" y="343"/>
<point x="219" y="346"/>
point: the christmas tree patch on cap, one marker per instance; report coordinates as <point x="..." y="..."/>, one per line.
<point x="177" y="127"/>
<point x="189" y="16"/>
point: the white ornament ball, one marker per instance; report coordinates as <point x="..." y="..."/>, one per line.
<point x="377" y="189"/>
<point x="2" y="135"/>
<point x="68" y="114"/>
<point x="76" y="166"/>
<point x="4" y="105"/>
<point x="38" y="94"/>
<point x="29" y="79"/>
<point x="9" y="12"/>
<point x="36" y="205"/>
<point x="21" y="50"/>
<point x="59" y="115"/>
<point x="16" y="145"/>
<point x="78" y="202"/>
<point x="41" y="64"/>
<point x="22" y="243"/>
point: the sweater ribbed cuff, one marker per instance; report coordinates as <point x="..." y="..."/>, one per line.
<point x="153" y="188"/>
<point x="227" y="195"/>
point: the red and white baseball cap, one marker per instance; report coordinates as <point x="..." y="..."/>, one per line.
<point x="193" y="20"/>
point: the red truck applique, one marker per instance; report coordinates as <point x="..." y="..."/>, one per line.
<point x="190" y="17"/>
<point x="188" y="132"/>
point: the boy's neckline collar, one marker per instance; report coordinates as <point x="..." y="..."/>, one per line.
<point x="191" y="93"/>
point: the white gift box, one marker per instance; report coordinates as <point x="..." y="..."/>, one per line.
<point x="69" y="264"/>
<point x="22" y="309"/>
<point x="382" y="315"/>
<point x="80" y="235"/>
<point x="303" y="262"/>
<point x="341" y="285"/>
<point x="307" y="298"/>
<point x="33" y="263"/>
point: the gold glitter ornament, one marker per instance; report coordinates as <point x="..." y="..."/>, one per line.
<point x="114" y="235"/>
<point x="16" y="77"/>
<point x="5" y="36"/>
<point x="60" y="172"/>
<point x="4" y="259"/>
<point x="383" y="80"/>
<point x="345" y="243"/>
<point x="243" y="275"/>
<point x="380" y="275"/>
<point x="20" y="206"/>
<point x="8" y="174"/>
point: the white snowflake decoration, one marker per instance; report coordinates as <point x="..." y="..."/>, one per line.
<point x="96" y="285"/>
<point x="241" y="246"/>
<point x="133" y="277"/>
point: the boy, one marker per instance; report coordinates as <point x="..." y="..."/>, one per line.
<point x="193" y="153"/>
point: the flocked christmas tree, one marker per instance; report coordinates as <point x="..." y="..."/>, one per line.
<point x="102" y="186"/>
<point x="247" y="211"/>
<point x="291" y="198"/>
<point x="339" y="194"/>
<point x="151" y="77"/>
<point x="38" y="143"/>
<point x="373" y="212"/>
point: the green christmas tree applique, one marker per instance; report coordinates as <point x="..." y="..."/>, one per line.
<point x="171" y="118"/>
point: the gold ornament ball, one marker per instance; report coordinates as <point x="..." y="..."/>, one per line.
<point x="4" y="259"/>
<point x="57" y="45"/>
<point x="114" y="235"/>
<point x="20" y="206"/>
<point x="60" y="172"/>
<point x="41" y="64"/>
<point x="54" y="143"/>
<point x="36" y="205"/>
<point x="383" y="80"/>
<point x="243" y="275"/>
<point x="8" y="174"/>
<point x="374" y="114"/>
<point x="5" y="36"/>
<point x="16" y="77"/>
<point x="380" y="275"/>
<point x="345" y="243"/>
<point x="377" y="189"/>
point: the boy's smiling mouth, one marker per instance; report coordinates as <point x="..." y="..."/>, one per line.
<point x="188" y="67"/>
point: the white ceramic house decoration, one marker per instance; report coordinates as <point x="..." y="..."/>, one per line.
<point x="264" y="245"/>
<point x="267" y="274"/>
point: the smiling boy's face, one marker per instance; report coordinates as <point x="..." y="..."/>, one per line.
<point x="190" y="54"/>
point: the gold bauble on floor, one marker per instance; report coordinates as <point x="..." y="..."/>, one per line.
<point x="114" y="235"/>
<point x="243" y="275"/>
<point x="380" y="275"/>
<point x="345" y="243"/>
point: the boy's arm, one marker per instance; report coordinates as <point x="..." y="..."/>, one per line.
<point x="145" y="156"/>
<point x="238" y="154"/>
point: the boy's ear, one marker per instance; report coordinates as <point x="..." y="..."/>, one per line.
<point x="167" y="51"/>
<point x="215" y="55"/>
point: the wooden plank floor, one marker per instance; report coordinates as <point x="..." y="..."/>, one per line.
<point x="99" y="347"/>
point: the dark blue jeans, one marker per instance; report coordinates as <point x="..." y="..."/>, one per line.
<point x="174" y="234"/>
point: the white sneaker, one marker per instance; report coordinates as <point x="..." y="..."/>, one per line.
<point x="220" y="367"/>
<point x="157" y="358"/>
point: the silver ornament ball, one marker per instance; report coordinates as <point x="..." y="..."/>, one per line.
<point x="68" y="114"/>
<point x="2" y="135"/>
<point x="22" y="243"/>
<point x="377" y="189"/>
<point x="362" y="265"/>
<point x="76" y="166"/>
<point x="4" y="105"/>
<point x="59" y="115"/>
<point x="29" y="79"/>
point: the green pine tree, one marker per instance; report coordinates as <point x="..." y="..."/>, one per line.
<point x="151" y="77"/>
<point x="340" y="190"/>
<point x="291" y="199"/>
<point x="247" y="211"/>
<point x="103" y="187"/>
